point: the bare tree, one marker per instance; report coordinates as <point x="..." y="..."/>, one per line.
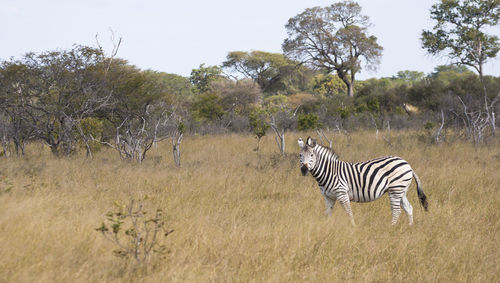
<point x="324" y="138"/>
<point x="476" y="121"/>
<point x="282" y="119"/>
<point x="438" y="136"/>
<point x="176" y="144"/>
<point x="136" y="133"/>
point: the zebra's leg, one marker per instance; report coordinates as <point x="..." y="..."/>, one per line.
<point x="343" y="198"/>
<point x="395" y="199"/>
<point x="407" y="208"/>
<point x="329" y="203"/>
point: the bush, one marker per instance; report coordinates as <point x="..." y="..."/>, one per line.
<point x="135" y="234"/>
<point x="308" y="122"/>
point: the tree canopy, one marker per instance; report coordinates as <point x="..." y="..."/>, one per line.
<point x="459" y="31"/>
<point x="334" y="39"/>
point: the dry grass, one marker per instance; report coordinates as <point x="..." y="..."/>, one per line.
<point x="243" y="216"/>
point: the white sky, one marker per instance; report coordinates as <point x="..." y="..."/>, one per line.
<point x="177" y="36"/>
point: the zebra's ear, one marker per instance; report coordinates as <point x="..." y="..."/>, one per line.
<point x="311" y="142"/>
<point x="301" y="143"/>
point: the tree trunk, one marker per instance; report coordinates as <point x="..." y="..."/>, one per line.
<point x="258" y="144"/>
<point x="282" y="142"/>
<point x="176" y="144"/>
<point x="350" y="90"/>
<point x="347" y="82"/>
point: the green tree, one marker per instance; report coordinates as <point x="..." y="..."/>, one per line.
<point x="258" y="124"/>
<point x="57" y="89"/>
<point x="450" y="73"/>
<point x="328" y="85"/>
<point x="459" y="31"/>
<point x="308" y="122"/>
<point x="203" y="76"/>
<point x="208" y="107"/>
<point x="273" y="72"/>
<point x="410" y="76"/>
<point x="334" y="39"/>
<point x="262" y="67"/>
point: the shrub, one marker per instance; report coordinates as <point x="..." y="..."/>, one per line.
<point x="308" y="122"/>
<point x="134" y="233"/>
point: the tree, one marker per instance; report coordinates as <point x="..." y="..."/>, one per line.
<point x="203" y="76"/>
<point x="282" y="118"/>
<point x="236" y="96"/>
<point x="262" y="67"/>
<point x="410" y="76"/>
<point x="328" y="85"/>
<point x="207" y="107"/>
<point x="460" y="33"/>
<point x="16" y="82"/>
<point x="258" y="124"/>
<point x="142" y="112"/>
<point x="50" y="93"/>
<point x="333" y="39"/>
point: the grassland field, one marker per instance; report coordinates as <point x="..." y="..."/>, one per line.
<point x="240" y="215"/>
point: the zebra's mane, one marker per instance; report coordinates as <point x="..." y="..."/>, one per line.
<point x="329" y="150"/>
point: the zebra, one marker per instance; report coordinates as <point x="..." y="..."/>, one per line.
<point x="360" y="182"/>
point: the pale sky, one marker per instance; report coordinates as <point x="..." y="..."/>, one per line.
<point x="178" y="36"/>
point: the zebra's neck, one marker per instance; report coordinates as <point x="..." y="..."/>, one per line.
<point x="325" y="159"/>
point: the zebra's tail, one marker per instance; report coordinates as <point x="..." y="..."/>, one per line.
<point x="421" y="196"/>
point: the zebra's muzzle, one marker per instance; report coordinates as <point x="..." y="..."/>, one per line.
<point x="304" y="170"/>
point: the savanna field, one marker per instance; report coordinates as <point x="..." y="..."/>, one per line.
<point x="242" y="215"/>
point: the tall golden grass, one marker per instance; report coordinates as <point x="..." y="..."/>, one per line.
<point x="240" y="215"/>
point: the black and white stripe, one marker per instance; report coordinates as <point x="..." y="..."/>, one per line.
<point x="360" y="182"/>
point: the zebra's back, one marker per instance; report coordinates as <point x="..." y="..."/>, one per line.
<point x="369" y="180"/>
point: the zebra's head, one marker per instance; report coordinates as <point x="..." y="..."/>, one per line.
<point x="307" y="155"/>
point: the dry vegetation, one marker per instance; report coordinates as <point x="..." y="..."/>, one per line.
<point x="239" y="215"/>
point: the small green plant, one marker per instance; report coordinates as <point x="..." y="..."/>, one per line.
<point x="136" y="234"/>
<point x="258" y="124"/>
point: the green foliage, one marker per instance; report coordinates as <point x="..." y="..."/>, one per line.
<point x="207" y="107"/>
<point x="258" y="124"/>
<point x="334" y="39"/>
<point x="308" y="122"/>
<point x="262" y="67"/>
<point x="92" y="127"/>
<point x="135" y="234"/>
<point x="380" y="95"/>
<point x="410" y="76"/>
<point x="275" y="102"/>
<point x="459" y="31"/>
<point x="202" y="77"/>
<point x="344" y="112"/>
<point x="328" y="85"/>
<point x="273" y="72"/>
<point x="448" y="74"/>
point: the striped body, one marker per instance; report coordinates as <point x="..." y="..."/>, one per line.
<point x="365" y="181"/>
<point x="360" y="182"/>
